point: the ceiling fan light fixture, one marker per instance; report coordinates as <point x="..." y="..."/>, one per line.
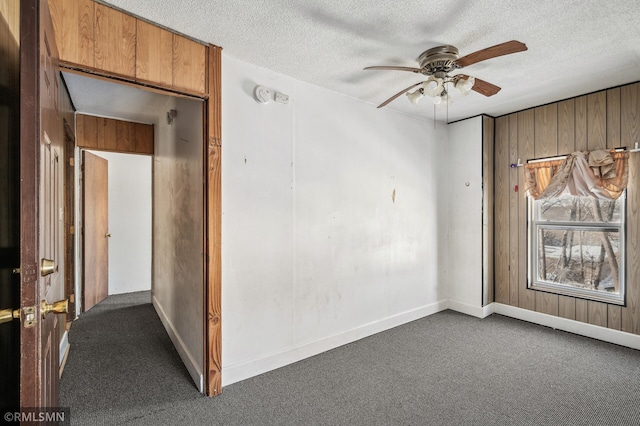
<point x="434" y="86"/>
<point x="464" y="85"/>
<point x="438" y="62"/>
<point x="416" y="95"/>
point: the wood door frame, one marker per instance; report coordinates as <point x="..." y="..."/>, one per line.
<point x="213" y="224"/>
<point x="212" y="181"/>
<point x="69" y="220"/>
<point x="30" y="377"/>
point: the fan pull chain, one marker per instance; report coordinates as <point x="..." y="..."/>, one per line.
<point x="434" y="116"/>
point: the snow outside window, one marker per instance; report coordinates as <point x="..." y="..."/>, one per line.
<point x="576" y="247"/>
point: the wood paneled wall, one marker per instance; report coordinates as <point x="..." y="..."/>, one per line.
<point x="96" y="38"/>
<point x="108" y="134"/>
<point x="605" y="119"/>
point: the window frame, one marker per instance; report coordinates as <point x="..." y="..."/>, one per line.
<point x="533" y="234"/>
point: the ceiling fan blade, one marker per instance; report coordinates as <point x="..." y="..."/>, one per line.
<point x="399" y="93"/>
<point x="392" y="67"/>
<point x="506" y="48"/>
<point x="483" y="87"/>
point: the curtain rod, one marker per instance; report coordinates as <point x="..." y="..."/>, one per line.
<point x="562" y="157"/>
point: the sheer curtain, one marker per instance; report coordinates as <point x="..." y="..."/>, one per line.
<point x="599" y="174"/>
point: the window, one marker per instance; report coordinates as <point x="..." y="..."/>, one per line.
<point x="576" y="247"/>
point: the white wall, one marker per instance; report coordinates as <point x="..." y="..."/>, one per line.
<point x="464" y="183"/>
<point x="316" y="251"/>
<point x="178" y="245"/>
<point x="129" y="221"/>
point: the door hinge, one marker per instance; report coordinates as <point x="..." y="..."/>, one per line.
<point x="72" y="230"/>
<point x="72" y="162"/>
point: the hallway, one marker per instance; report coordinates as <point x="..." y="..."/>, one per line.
<point x="122" y="363"/>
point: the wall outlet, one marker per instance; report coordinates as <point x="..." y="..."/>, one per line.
<point x="282" y="98"/>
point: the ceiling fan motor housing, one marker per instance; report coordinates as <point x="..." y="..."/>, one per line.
<point x="438" y="60"/>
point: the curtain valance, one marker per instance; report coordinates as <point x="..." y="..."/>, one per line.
<point x="599" y="174"/>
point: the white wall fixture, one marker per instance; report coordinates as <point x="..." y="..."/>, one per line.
<point x="262" y="94"/>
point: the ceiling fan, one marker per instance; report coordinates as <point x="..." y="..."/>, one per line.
<point x="436" y="63"/>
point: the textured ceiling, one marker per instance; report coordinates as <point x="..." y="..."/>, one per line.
<point x="575" y="46"/>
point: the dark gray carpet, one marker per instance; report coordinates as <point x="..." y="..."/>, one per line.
<point x="446" y="369"/>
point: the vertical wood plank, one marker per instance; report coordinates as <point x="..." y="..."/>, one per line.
<point x="546" y="145"/>
<point x="581" y="310"/>
<point x="107" y="134"/>
<point x="87" y="131"/>
<point x="566" y="145"/>
<point x="73" y="25"/>
<point x="526" y="137"/>
<point x="614" y="317"/>
<point x="115" y="41"/>
<point x="629" y="134"/>
<point x="597" y="139"/>
<point x="143" y="138"/>
<point x="566" y="127"/>
<point x="501" y="212"/>
<point x="154" y="54"/>
<point x="546" y="131"/>
<point x="614" y="313"/>
<point x="613" y="118"/>
<point x="630" y="321"/>
<point x="582" y="144"/>
<point x="514" y="215"/>
<point x="125" y="136"/>
<point x="189" y="64"/>
<point x="597" y="313"/>
<point x="629" y="115"/>
<point x="567" y="307"/>
<point x="580" y="105"/>
<point x="547" y="303"/>
<point x="597" y="121"/>
<point x="488" y="146"/>
<point x="213" y="220"/>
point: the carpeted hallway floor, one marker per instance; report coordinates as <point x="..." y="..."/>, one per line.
<point x="445" y="369"/>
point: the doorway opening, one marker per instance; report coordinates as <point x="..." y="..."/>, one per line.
<point x="164" y="194"/>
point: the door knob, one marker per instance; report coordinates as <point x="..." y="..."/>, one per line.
<point x="47" y="266"/>
<point x="59" y="307"/>
<point x="7" y="315"/>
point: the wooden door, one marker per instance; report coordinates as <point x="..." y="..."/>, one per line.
<point x="95" y="223"/>
<point x="41" y="214"/>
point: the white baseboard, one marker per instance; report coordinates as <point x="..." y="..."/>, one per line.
<point x="474" y="311"/>
<point x="589" y="330"/>
<point x="243" y="370"/>
<point x="183" y="351"/>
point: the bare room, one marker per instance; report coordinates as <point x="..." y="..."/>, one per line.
<point x="322" y="212"/>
